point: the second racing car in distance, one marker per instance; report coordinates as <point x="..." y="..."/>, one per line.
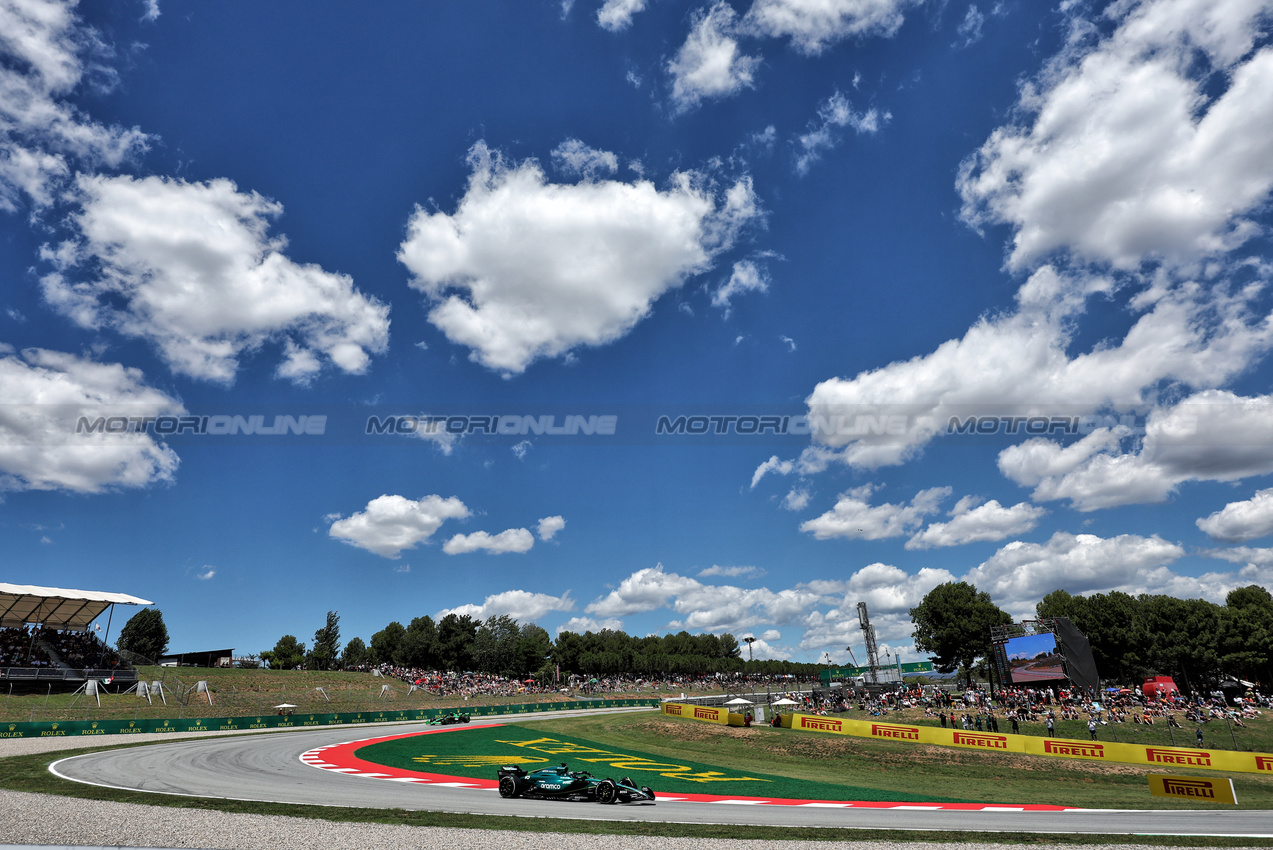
<point x="561" y="783"/>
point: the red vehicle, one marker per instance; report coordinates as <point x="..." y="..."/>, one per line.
<point x="1159" y="686"/>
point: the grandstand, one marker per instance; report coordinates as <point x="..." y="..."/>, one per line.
<point x="46" y="637"/>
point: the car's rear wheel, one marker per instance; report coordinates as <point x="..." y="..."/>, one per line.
<point x="507" y="786"/>
<point x="607" y="791"/>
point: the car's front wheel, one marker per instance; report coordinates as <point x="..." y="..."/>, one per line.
<point x="647" y="790"/>
<point x="607" y="791"/>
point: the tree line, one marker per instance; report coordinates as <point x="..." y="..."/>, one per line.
<point x="1195" y="641"/>
<point x="501" y="646"/>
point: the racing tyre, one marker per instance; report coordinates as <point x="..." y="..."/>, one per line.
<point x="507" y="786"/>
<point x="607" y="791"/>
<point x="646" y="789"/>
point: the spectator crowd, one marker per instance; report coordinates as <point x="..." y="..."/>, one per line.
<point x="39" y="647"/>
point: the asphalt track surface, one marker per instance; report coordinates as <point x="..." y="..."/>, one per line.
<point x="268" y="767"/>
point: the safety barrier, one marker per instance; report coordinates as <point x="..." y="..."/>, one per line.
<point x="710" y="714"/>
<point x="58" y="728"/>
<point x="1157" y="756"/>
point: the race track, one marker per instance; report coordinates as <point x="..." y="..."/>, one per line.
<point x="268" y="767"/>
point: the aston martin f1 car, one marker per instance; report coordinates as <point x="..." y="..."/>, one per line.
<point x="561" y="783"/>
<point x="447" y="719"/>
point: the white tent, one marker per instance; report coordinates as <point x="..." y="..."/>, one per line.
<point x="785" y="701"/>
<point x="740" y="701"/>
<point x="57" y="607"/>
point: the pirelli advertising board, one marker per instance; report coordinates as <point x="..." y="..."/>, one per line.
<point x="1168" y="757"/>
<point x="1206" y="790"/>
<point x="697" y="712"/>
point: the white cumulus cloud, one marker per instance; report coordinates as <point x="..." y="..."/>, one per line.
<point x="644" y="590"/>
<point x="1238" y="522"/>
<point x="390" y="524"/>
<point x="853" y="517"/>
<point x="1153" y="142"/>
<point x="190" y="268"/>
<point x="1020" y="362"/>
<point x="710" y="64"/>
<point x="746" y="277"/>
<point x="45" y="396"/>
<point x="510" y="540"/>
<point x="616" y="15"/>
<point x="813" y="25"/>
<point x="45" y="51"/>
<point x="1020" y="574"/>
<point x="575" y="158"/>
<point x="523" y="606"/>
<point x="579" y="625"/>
<point x="971" y="523"/>
<point x="526" y="269"/>
<point x="549" y="526"/>
<point x="1213" y="435"/>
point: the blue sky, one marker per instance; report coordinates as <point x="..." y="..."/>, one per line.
<point x="997" y="271"/>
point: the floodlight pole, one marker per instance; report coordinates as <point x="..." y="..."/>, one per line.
<point x="749" y="640"/>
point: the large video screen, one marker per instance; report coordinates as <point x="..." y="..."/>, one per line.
<point x="1034" y="658"/>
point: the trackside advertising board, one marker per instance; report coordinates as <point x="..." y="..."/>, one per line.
<point x="697" y="712"/>
<point x="60" y="728"/>
<point x="1054" y="747"/>
<point x="1193" y="788"/>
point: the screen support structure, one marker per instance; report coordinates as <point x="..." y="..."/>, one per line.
<point x="872" y="649"/>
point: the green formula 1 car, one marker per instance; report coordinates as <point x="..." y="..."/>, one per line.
<point x="447" y="719"/>
<point x="561" y="783"/>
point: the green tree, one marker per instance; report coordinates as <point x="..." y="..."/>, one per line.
<point x="1184" y="638"/>
<point x="534" y="648"/>
<point x="387" y="643"/>
<point x="355" y="654"/>
<point x="1246" y="642"/>
<point x="287" y="654"/>
<point x="455" y="641"/>
<point x="566" y="651"/>
<point x="1060" y="603"/>
<point x="144" y="634"/>
<point x="494" y="646"/>
<point x="953" y="624"/>
<point x="1115" y="627"/>
<point x="419" y="647"/>
<point x="729" y="646"/>
<point x="325" y="654"/>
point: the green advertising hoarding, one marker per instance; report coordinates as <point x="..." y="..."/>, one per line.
<point x="68" y="728"/>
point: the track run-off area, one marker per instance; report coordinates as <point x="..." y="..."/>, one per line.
<point x="318" y="767"/>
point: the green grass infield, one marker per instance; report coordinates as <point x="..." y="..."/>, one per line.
<point x="479" y="752"/>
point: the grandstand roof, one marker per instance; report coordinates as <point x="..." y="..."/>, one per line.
<point x="56" y="607"/>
